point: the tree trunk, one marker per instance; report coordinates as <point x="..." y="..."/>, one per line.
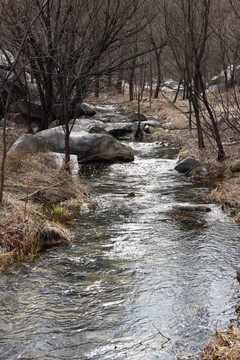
<point x="159" y="79"/>
<point x="178" y="89"/>
<point x="118" y="85"/>
<point x="97" y="88"/>
<point x="131" y="79"/>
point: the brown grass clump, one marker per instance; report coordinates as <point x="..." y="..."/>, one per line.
<point x="39" y="179"/>
<point x="31" y="213"/>
<point x="223" y="346"/>
<point x="227" y="194"/>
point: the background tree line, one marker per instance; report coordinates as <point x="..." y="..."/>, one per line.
<point x="57" y="52"/>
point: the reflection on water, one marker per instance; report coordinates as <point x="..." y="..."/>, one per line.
<point x="135" y="276"/>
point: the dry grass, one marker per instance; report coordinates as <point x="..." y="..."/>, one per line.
<point x="223" y="346"/>
<point x="34" y="189"/>
<point x="39" y="179"/>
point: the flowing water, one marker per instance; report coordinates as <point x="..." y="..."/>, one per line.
<point x="139" y="282"/>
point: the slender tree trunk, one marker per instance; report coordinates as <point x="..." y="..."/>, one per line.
<point x="159" y="78"/>
<point x="131" y="79"/>
<point x="109" y="81"/>
<point x="194" y="96"/>
<point x="3" y="160"/>
<point x="221" y="153"/>
<point x="28" y="101"/>
<point x="97" y="88"/>
<point x="190" y="114"/>
<point x="4" y="154"/>
<point x="178" y="89"/>
<point x="118" y="85"/>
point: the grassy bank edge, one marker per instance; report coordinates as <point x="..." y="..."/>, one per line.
<point x="40" y="204"/>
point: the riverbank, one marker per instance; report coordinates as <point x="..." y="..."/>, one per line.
<point x="39" y="205"/>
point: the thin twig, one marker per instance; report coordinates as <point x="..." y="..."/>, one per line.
<point x="168" y="339"/>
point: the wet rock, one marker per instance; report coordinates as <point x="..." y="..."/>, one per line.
<point x="192" y="208"/>
<point x="187" y="165"/>
<point x="28" y="144"/>
<point x="50" y="236"/>
<point x="130" y="195"/>
<point x="235" y="167"/>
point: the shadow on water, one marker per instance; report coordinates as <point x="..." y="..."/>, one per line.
<point x="136" y="275"/>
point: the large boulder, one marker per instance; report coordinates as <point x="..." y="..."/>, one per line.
<point x="88" y="147"/>
<point x="30" y="144"/>
<point x="187" y="165"/>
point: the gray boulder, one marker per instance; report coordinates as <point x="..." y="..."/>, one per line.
<point x="88" y="147"/>
<point x="187" y="165"/>
<point x="235" y="167"/>
<point x="28" y="144"/>
<point x="134" y="117"/>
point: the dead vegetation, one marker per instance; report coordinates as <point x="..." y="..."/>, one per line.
<point x="33" y="214"/>
<point x="223" y="345"/>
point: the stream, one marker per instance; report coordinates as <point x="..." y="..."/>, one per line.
<point x="139" y="282"/>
